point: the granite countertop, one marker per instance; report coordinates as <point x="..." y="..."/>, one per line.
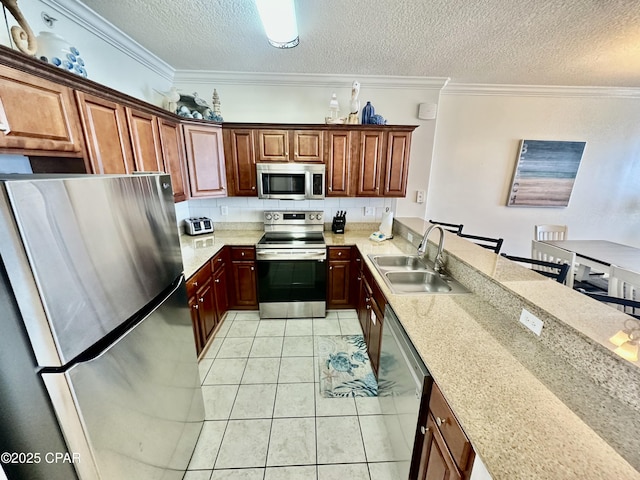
<point x="528" y="412"/>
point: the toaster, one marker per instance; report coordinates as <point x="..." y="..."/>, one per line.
<point x="198" y="225"/>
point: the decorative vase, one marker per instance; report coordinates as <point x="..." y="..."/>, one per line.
<point x="54" y="49"/>
<point x="367" y="112"/>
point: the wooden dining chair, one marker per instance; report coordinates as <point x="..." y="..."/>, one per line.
<point x="550" y="232"/>
<point x="624" y="284"/>
<point x="450" y="227"/>
<point x="550" y="253"/>
<point x="556" y="271"/>
<point x="494" y="244"/>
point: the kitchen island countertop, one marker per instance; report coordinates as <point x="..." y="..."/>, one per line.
<point x="527" y="412"/>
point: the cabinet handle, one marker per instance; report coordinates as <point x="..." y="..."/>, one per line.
<point x="359" y="278"/>
<point x="339" y="253"/>
<point x="252" y="269"/>
<point x="195" y="284"/>
<point x="330" y="189"/>
<point x="440" y="421"/>
<point x="196" y="306"/>
<point x="242" y="253"/>
<point x="253" y="188"/>
<point x="201" y="299"/>
<point x="331" y="267"/>
<point x="217" y="280"/>
<point x="424" y="429"/>
<point x="219" y="259"/>
<point x="368" y="307"/>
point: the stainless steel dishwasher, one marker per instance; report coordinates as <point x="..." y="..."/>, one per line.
<point x="403" y="382"/>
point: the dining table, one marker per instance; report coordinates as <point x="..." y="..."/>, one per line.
<point x="599" y="255"/>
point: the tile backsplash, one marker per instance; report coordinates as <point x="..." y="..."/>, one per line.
<point x="249" y="209"/>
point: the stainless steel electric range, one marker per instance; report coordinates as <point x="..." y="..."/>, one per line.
<point x="291" y="261"/>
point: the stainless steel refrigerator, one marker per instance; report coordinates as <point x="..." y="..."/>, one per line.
<point x="96" y="345"/>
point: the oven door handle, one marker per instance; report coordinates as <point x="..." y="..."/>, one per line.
<point x="291" y="255"/>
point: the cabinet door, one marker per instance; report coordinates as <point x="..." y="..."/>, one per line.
<point x="207" y="310"/>
<point x="240" y="157"/>
<point x="172" y="144"/>
<point x="338" y="159"/>
<point x="245" y="281"/>
<point x="338" y="284"/>
<point x="205" y="160"/>
<point x="194" y="308"/>
<point x="273" y="146"/>
<point x="396" y="164"/>
<point x="370" y="159"/>
<point x="374" y="337"/>
<point x="36" y="114"/>
<point x="145" y="141"/>
<point x="307" y="146"/>
<point x="364" y="306"/>
<point x="220" y="289"/>
<point x="104" y="124"/>
<point x="436" y="462"/>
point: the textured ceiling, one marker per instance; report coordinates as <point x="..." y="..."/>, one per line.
<point x="528" y="42"/>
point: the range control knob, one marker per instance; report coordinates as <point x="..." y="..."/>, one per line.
<point x="311" y="216"/>
<point x="276" y="216"/>
<point x="319" y="216"/>
<point x="267" y="216"/>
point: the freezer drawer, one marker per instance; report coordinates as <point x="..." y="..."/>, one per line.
<point x="139" y="404"/>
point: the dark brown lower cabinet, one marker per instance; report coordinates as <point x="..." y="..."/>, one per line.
<point x="243" y="269"/>
<point x="207" y="290"/>
<point x="338" y="277"/>
<point x="446" y="452"/>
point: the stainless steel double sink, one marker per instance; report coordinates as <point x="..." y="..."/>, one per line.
<point x="413" y="274"/>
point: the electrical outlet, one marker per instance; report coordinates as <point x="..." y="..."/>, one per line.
<point x="369" y="211"/>
<point x="530" y="321"/>
<point x="420" y="194"/>
<point x="224" y="210"/>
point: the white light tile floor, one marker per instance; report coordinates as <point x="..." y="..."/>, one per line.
<point x="265" y="417"/>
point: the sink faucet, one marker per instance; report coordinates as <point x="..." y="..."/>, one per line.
<point x="438" y="263"/>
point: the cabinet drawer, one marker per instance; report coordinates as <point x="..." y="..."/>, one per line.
<point x="339" y="253"/>
<point x="219" y="258"/>
<point x="198" y="279"/>
<point x="450" y="429"/>
<point x="243" y="253"/>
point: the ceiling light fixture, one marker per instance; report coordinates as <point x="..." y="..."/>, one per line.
<point x="279" y="21"/>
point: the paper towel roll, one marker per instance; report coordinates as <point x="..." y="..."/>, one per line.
<point x="386" y="225"/>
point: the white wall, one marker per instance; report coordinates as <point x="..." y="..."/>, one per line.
<point x="111" y="58"/>
<point x="305" y="99"/>
<point x="477" y="139"/>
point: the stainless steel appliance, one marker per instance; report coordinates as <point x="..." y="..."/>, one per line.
<point x="291" y="181"/>
<point x="290" y="257"/>
<point x="403" y="383"/>
<point x="198" y="225"/>
<point x="98" y="360"/>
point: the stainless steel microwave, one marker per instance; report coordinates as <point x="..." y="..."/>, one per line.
<point x="290" y="181"/>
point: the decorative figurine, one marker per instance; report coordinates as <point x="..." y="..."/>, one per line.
<point x="367" y="112"/>
<point x="23" y="36"/>
<point x="355" y="103"/>
<point x="334" y="111"/>
<point x="216" y="115"/>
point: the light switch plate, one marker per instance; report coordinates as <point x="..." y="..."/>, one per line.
<point x="530" y="321"/>
<point x="369" y="211"/>
<point x="224" y="210"/>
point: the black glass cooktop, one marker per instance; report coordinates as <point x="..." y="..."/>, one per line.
<point x="292" y="239"/>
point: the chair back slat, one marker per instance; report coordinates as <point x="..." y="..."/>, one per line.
<point x="553" y="254"/>
<point x="625" y="284"/>
<point x="550" y="232"/>
<point x="493" y="244"/>
<point x="557" y="271"/>
<point x="450" y="227"/>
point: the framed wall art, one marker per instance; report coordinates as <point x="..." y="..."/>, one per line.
<point x="545" y="173"/>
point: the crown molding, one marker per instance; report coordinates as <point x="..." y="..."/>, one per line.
<point x="307" y="80"/>
<point x="83" y="16"/>
<point x="538" y="90"/>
